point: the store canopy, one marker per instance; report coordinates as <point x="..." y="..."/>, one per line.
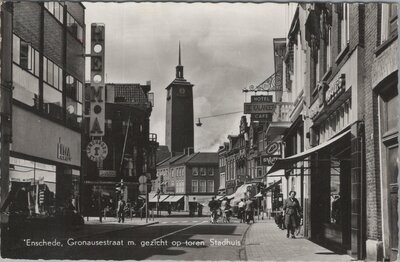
<point x="274" y="184"/>
<point x="287" y="163"/>
<point x="173" y="199"/>
<point x="162" y="198"/>
<point x="275" y="129"/>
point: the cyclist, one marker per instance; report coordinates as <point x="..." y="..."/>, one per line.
<point x="213" y="205"/>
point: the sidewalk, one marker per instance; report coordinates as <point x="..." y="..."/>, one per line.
<point x="266" y="242"/>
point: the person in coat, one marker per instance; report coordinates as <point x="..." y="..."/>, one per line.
<point x="292" y="211"/>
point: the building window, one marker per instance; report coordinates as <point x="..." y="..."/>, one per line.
<point x="388" y="21"/>
<point x="210" y="171"/>
<point x="195" y="171"/>
<point x="56" y="9"/>
<point x="202" y="171"/>
<point x="74" y="28"/>
<point x="210" y="186"/>
<point x="52" y="73"/>
<point x="52" y="102"/>
<point x="195" y="186"/>
<point x="203" y="186"/>
<point x="25" y="56"/>
<point x="344" y="34"/>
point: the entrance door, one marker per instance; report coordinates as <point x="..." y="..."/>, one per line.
<point x="393" y="169"/>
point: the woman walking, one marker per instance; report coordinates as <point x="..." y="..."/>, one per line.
<point x="292" y="213"/>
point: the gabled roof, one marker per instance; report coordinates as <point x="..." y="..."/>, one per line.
<point x="169" y="161"/>
<point x="204" y="158"/>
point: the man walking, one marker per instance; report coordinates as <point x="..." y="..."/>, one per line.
<point x="121" y="210"/>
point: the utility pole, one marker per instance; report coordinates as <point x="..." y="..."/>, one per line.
<point x="6" y="43"/>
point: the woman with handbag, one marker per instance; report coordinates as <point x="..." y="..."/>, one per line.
<point x="292" y="213"/>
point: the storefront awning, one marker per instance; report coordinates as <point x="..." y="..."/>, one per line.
<point x="273" y="185"/>
<point x="162" y="198"/>
<point x="277" y="128"/>
<point x="173" y="199"/>
<point x="287" y="162"/>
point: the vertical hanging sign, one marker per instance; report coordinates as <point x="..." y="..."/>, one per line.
<point x="97" y="87"/>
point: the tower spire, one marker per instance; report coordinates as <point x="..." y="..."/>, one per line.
<point x="179" y="52"/>
<point x="179" y="67"/>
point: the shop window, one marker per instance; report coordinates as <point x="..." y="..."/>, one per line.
<point x="335" y="201"/>
<point x="195" y="186"/>
<point x="210" y="186"/>
<point x="388" y="21"/>
<point x="203" y="185"/>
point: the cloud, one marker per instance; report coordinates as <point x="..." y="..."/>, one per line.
<point x="225" y="47"/>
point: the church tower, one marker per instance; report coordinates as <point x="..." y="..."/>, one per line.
<point x="179" y="133"/>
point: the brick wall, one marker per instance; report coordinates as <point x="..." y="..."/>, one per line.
<point x="374" y="225"/>
<point x="75" y="64"/>
<point x="53" y="39"/>
<point x="26" y="22"/>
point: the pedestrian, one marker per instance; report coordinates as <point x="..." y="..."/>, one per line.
<point x="292" y="210"/>
<point x="249" y="209"/>
<point x="121" y="210"/>
<point x="241" y="213"/>
<point x="169" y="208"/>
<point x="199" y="209"/>
<point x="213" y="205"/>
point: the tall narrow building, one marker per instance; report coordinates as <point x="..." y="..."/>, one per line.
<point x="179" y="133"/>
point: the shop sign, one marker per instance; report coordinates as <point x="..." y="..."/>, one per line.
<point x="63" y="151"/>
<point x="269" y="160"/>
<point x="260" y="99"/>
<point x="272" y="148"/>
<point x="259" y="108"/>
<point x="335" y="90"/>
<point x="97" y="150"/>
<point x="266" y="117"/>
<point x="107" y="173"/>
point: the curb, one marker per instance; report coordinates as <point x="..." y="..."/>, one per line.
<point x="242" y="251"/>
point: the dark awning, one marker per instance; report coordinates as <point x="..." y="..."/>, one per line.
<point x="274" y="184"/>
<point x="287" y="162"/>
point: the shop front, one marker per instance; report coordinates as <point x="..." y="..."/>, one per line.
<point x="45" y="158"/>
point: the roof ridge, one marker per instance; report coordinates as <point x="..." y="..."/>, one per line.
<point x="195" y="154"/>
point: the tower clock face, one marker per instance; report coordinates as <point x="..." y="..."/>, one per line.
<point x="182" y="91"/>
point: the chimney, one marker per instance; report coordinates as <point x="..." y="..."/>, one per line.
<point x="189" y="151"/>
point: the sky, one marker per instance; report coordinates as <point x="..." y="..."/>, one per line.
<point x="225" y="48"/>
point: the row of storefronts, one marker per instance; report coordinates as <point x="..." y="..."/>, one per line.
<point x="48" y="149"/>
<point x="333" y="132"/>
<point x="340" y="151"/>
